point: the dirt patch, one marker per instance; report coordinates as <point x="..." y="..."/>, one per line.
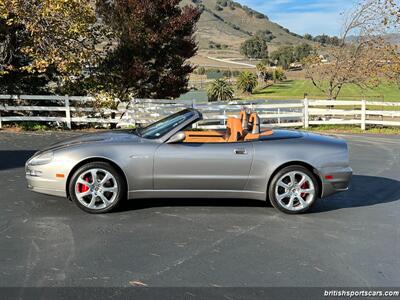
<point x="11" y="129"/>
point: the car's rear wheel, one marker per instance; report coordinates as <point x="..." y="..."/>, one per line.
<point x="293" y="190"/>
<point x="97" y="188"/>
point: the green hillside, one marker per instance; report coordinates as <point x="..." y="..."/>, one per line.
<point x="228" y="23"/>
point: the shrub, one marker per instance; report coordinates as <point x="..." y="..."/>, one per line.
<point x="201" y="71"/>
<point x="223" y="3"/>
<point x="255" y="47"/>
<point x="274" y="74"/>
<point x="33" y="126"/>
<point x="220" y="90"/>
<point x="284" y="56"/>
<point x="278" y="74"/>
<point x="247" y="81"/>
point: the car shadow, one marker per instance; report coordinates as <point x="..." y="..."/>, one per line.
<point x="13" y="159"/>
<point x="138" y="204"/>
<point x="363" y="191"/>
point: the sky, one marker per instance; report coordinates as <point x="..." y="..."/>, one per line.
<point x="304" y="16"/>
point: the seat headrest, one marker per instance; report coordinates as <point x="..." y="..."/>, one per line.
<point x="235" y="129"/>
<point x="256" y="123"/>
<point x="244" y="117"/>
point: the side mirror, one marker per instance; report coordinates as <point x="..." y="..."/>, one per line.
<point x="177" y="138"/>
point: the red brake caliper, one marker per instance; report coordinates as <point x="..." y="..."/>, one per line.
<point x="304" y="187"/>
<point x="82" y="187"/>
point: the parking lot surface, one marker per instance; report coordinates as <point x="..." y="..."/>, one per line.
<point x="351" y="239"/>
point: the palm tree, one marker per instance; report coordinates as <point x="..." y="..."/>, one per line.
<point x="247" y="81"/>
<point x="220" y="90"/>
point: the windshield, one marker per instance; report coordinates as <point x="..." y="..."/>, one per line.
<point x="162" y="127"/>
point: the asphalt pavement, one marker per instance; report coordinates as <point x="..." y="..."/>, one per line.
<point x="348" y="240"/>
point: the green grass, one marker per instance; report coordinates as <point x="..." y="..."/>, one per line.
<point x="295" y="89"/>
<point x="32" y="126"/>
<point x="353" y="129"/>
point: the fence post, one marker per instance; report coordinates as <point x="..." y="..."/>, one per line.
<point x="279" y="118"/>
<point x="225" y="121"/>
<point x="363" y="114"/>
<point x="1" y="124"/>
<point x="306" y="113"/>
<point x="68" y="112"/>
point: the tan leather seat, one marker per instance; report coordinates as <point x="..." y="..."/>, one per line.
<point x="244" y="117"/>
<point x="254" y="120"/>
<point x="234" y="130"/>
<point x="256" y="132"/>
<point x="209" y="136"/>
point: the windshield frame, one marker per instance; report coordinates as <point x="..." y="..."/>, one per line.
<point x="197" y="116"/>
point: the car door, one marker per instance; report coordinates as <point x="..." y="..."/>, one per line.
<point x="207" y="166"/>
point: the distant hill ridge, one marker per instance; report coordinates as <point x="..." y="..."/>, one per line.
<point x="226" y="24"/>
<point x="393" y="38"/>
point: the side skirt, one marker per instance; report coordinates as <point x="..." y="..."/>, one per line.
<point x="196" y="194"/>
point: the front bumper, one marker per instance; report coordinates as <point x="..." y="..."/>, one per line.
<point x="335" y="180"/>
<point x="45" y="180"/>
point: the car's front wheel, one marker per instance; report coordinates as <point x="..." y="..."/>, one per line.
<point x="293" y="190"/>
<point x="97" y="188"/>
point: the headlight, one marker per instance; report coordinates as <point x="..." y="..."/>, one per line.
<point x="41" y="159"/>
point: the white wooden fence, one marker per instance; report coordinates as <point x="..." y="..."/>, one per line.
<point x="297" y="113"/>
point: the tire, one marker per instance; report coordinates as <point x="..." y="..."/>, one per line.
<point x="100" y="196"/>
<point x="293" y="190"/>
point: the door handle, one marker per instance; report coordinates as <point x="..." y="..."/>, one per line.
<point x="240" y="151"/>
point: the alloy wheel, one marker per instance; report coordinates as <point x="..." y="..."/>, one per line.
<point x="96" y="189"/>
<point x="295" y="191"/>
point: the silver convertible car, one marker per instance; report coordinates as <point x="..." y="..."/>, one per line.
<point x="174" y="158"/>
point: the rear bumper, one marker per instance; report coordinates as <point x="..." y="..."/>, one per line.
<point x="335" y="180"/>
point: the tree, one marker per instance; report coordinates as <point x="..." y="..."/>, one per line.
<point x="40" y="39"/>
<point x="390" y="18"/>
<point x="220" y="90"/>
<point x="393" y="11"/>
<point x="391" y="70"/>
<point x="246" y="82"/>
<point x="223" y="3"/>
<point x="152" y="41"/>
<point x="13" y="79"/>
<point x="362" y="61"/>
<point x="302" y="51"/>
<point x="350" y="64"/>
<point x="267" y="74"/>
<point x="323" y="39"/>
<point x="308" y="36"/>
<point x="266" y="35"/>
<point x="60" y="32"/>
<point x="255" y="47"/>
<point x="284" y="56"/>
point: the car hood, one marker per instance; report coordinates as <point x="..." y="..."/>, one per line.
<point x="102" y="137"/>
